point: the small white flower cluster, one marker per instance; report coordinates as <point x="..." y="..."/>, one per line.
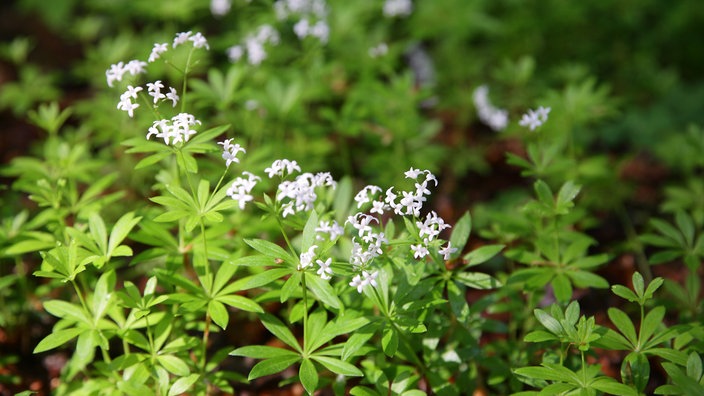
<point x="367" y="243"/>
<point x="159" y="48"/>
<point x="126" y="103"/>
<point x="285" y="8"/>
<point x="220" y="7"/>
<point x="306" y="260"/>
<point x="230" y="151"/>
<point x="429" y="230"/>
<point x="535" y="118"/>
<point x="282" y="168"/>
<point x="176" y="130"/>
<point x="197" y="39"/>
<point x="319" y="30"/>
<point x="241" y="188"/>
<point x="254" y="45"/>
<point x="118" y="70"/>
<point x="312" y="16"/>
<point x="397" y="8"/>
<point x="495" y="118"/>
<point x="154" y="90"/>
<point x="379" y="50"/>
<point x="299" y="195"/>
<point x="332" y="229"/>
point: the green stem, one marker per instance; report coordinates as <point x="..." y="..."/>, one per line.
<point x="305" y="311"/>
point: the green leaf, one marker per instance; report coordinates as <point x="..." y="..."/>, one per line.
<point x="357" y="341"/>
<point x="308" y="236"/>
<point x="542" y="190"/>
<point x="240" y="302"/>
<point x="477" y="280"/>
<point x="308" y="376"/>
<point x="623" y="324"/>
<point x="638" y="284"/>
<point x="219" y="313"/>
<point x="260" y="279"/>
<point x="98" y="231"/>
<point x="624" y="292"/>
<point x="635" y="370"/>
<point x="694" y="366"/>
<point x="262" y="352"/>
<point x="57" y="339"/>
<point x="389" y="341"/>
<point x="66" y="310"/>
<point x="323" y="291"/>
<point x="562" y="288"/>
<point x="338" y="366"/>
<point x="277" y="328"/>
<point x="565" y="197"/>
<point x="291" y="286"/>
<point x="182" y="385"/>
<point x="651" y="322"/>
<point x="540" y="336"/>
<point x="686" y="225"/>
<point x="122" y="228"/>
<point x="612" y="387"/>
<point x="173" y="364"/>
<point x="151" y="159"/>
<point x="482" y="254"/>
<point x="103" y="294"/>
<point x="272" y="366"/>
<point x="550" y="323"/>
<point x="587" y="279"/>
<point x="270" y="249"/>
<point x="460" y="233"/>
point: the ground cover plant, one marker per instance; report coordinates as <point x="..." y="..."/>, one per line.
<point x="388" y="197"/>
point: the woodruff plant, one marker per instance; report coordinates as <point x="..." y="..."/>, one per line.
<point x="342" y="270"/>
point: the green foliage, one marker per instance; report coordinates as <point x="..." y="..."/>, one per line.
<point x="174" y="242"/>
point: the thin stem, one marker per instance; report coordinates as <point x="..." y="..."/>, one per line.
<point x="185" y="81"/>
<point x="305" y="311"/>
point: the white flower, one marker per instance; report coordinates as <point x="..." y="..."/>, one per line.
<point x="176" y="130"/>
<point x="301" y="28"/>
<point x="131" y="92"/>
<point x="535" y="118"/>
<point x="495" y="118"/>
<point x="172" y="96"/>
<point x="157" y="51"/>
<point x="447" y="251"/>
<point x="321" y="31"/>
<point x="400" y="8"/>
<point x="118" y="70"/>
<point x="154" y="90"/>
<point x="306" y="258"/>
<point x="334" y="230"/>
<point x="413" y="173"/>
<point x="199" y="41"/>
<point x="220" y="7"/>
<point x="136" y="67"/>
<point x="241" y="188"/>
<point x="282" y="167"/>
<point x="181" y="38"/>
<point x="127" y="105"/>
<point x="419" y="251"/>
<point x="380" y="50"/>
<point x="378" y="207"/>
<point x="230" y="151"/>
<point x="235" y="53"/>
<point x="366" y="278"/>
<point x="362" y="196"/>
<point x="324" y="271"/>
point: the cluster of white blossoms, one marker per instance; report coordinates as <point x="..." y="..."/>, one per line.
<point x="495" y="118"/>
<point x="220" y="7"/>
<point x="299" y="195"/>
<point x="368" y="243"/>
<point x="253" y="45"/>
<point x="154" y="89"/>
<point x="397" y="8"/>
<point x="311" y="15"/>
<point x="379" y="50"/>
<point x="535" y="118"/>
<point x="118" y="70"/>
<point x="241" y="189"/>
<point x="174" y="131"/>
<point x="230" y="151"/>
